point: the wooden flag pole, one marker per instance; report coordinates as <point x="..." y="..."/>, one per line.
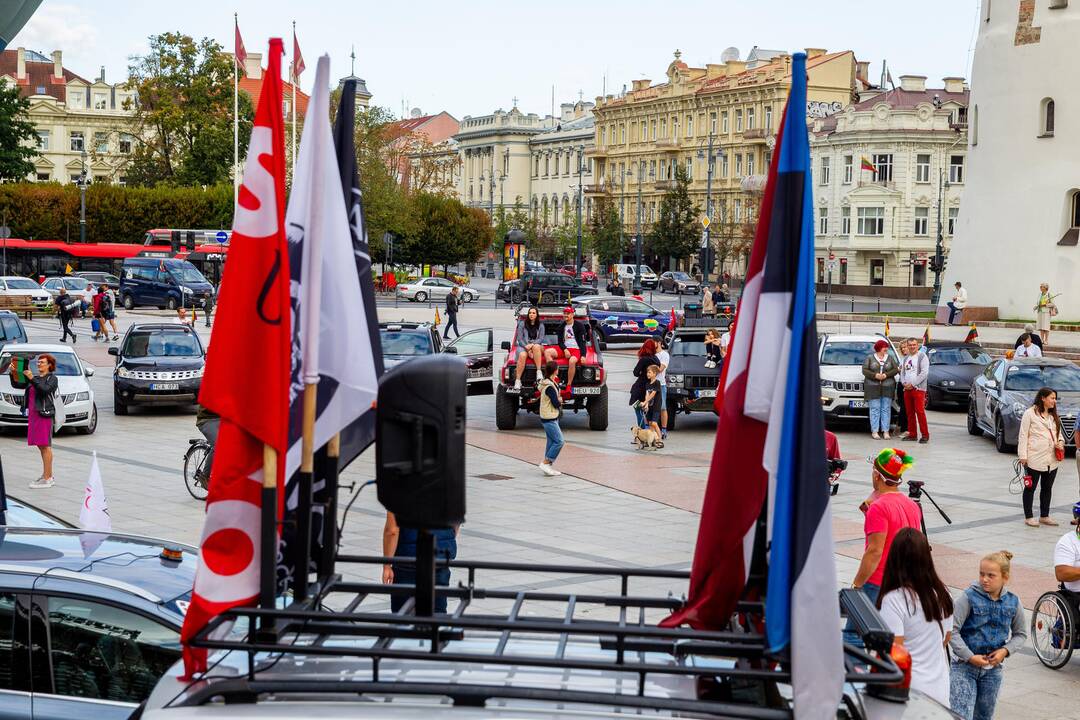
<point x="304" y="486"/>
<point x="268" y="536"/>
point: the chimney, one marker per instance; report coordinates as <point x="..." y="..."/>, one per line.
<point x="812" y="53"/>
<point x="862" y="72"/>
<point x="712" y="70"/>
<point x="20" y="64"/>
<point x="641" y="84"/>
<point x="253" y="66"/>
<point x="566" y="111"/>
<point x="734" y="67"/>
<point x="913" y="83"/>
<point x="57" y="63"/>
<point x="102" y="78"/>
<point x="954" y="84"/>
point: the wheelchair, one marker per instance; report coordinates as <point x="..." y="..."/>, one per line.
<point x="1054" y="627"/>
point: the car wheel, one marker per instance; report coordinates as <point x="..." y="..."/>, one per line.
<point x="601" y="339"/>
<point x="119" y="407"/>
<point x="506" y="409"/>
<point x="91" y="426"/>
<point x="598" y="410"/>
<point x="420" y="297"/>
<point x="972" y="422"/>
<point x="928" y="400"/>
<point x="171" y="304"/>
<point x="467" y="297"/>
<point x="999" y="437"/>
<point x="129" y="302"/>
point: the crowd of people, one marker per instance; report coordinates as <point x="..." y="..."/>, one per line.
<point x="886" y="381"/>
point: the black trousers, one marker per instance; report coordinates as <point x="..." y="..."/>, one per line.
<point x="1046" y="479"/>
<point x="451" y="322"/>
<point x="65" y="324"/>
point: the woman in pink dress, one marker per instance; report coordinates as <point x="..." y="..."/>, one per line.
<point x="40" y="411"/>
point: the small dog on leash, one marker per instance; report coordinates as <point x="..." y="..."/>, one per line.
<point x="644" y="438"/>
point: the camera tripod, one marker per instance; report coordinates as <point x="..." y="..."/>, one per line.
<point x="916" y="491"/>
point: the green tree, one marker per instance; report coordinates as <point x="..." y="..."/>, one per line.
<point x="18" y="140"/>
<point x="607" y="239"/>
<point x="676" y="233"/>
<point x="183" y="124"/>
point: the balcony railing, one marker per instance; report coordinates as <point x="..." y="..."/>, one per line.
<point x="755" y="134"/>
<point x="597" y="189"/>
<point x="888" y="184"/>
<point x="667" y="144"/>
<point x="597" y="151"/>
<point x="665" y="184"/>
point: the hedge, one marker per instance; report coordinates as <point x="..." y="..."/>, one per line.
<point x="50" y="211"/>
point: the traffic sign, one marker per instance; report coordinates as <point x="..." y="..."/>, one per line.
<point x="5" y="232"/>
<point x="222" y="237"/>
<point x="705" y="222"/>
<point x="832" y="266"/>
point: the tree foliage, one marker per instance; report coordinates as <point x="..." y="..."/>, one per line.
<point x="676" y="232"/>
<point x="443" y="232"/>
<point x="18" y="139"/>
<point x="183" y="124"/>
<point x="606" y="231"/>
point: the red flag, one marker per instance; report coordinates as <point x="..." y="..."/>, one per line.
<point x="238" y="50"/>
<point x="297" y="59"/>
<point x="247" y="374"/>
<point x="674" y="321"/>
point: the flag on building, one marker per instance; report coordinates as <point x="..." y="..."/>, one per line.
<point x="972" y="335"/>
<point x="867" y="165"/>
<point x="926" y="334"/>
<point x="888" y="328"/>
<point x="94" y="513"/>
<point x="238" y="45"/>
<point x="297" y="59"/>
<point x="331" y="344"/>
<point x="771" y="443"/>
<point x="253" y="322"/>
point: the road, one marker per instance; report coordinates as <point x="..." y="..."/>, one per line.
<point x="613" y="505"/>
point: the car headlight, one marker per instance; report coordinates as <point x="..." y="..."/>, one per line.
<point x="122" y="371"/>
<point x="186" y="290"/>
<point x="82" y="396"/>
<point x="200" y="371"/>
<point x="827" y="384"/>
<point x="12" y="399"/>
<point x="948" y="383"/>
<point x="1018" y="408"/>
<point x="675" y="379"/>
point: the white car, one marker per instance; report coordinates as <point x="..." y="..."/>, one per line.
<point x="21" y="287"/>
<point x="434" y="288"/>
<point x="840" y="358"/>
<point x="78" y="287"/>
<point x="648" y="277"/>
<point x="72" y="375"/>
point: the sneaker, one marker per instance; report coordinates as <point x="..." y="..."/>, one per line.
<point x="663" y="434"/>
<point x="115" y="337"/>
<point x="568" y="391"/>
<point x="74" y="339"/>
<point x="42" y="484"/>
<point x="923" y="441"/>
<point x="548" y="470"/>
<point x="517" y="384"/>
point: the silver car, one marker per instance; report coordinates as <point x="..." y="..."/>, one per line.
<point x="1004" y="391"/>
<point x="433" y="288"/>
<point x="25" y="289"/>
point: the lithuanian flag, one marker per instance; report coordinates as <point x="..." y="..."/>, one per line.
<point x="888" y="329"/>
<point x="972" y="335"/>
<point x="438" y="320"/>
<point x="867" y="165"/>
<point x="926" y="334"/>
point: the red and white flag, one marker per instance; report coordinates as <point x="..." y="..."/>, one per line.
<point x="94" y="513"/>
<point x="297" y="59"/>
<point x="238" y="50"/>
<point x="247" y="375"/>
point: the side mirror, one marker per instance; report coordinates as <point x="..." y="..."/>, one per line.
<point x="89" y="371"/>
<point x="505" y="345"/>
<point x="991" y="384"/>
<point x="114" y="351"/>
<point x="451" y="350"/>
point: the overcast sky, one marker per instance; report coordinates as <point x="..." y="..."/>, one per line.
<point x="470" y="57"/>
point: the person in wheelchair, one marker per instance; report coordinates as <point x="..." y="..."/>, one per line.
<point x="1067" y="558"/>
<point x="1056" y="615"/>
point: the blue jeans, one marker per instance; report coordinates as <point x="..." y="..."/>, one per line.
<point x="952" y="311"/>
<point x="640" y="415"/>
<point x="851" y="637"/>
<point x="405" y="572"/>
<point x="554" y="440"/>
<point x="973" y="691"/>
<point x="663" y="396"/>
<point x="880" y="414"/>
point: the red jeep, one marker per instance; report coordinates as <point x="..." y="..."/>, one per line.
<point x="590" y="392"/>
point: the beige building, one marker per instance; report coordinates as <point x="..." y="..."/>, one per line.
<point x="644" y="133"/>
<point x="77" y="121"/>
<point x="877" y="227"/>
<point x="556" y="155"/>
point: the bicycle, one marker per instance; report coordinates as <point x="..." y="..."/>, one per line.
<point x="196" y="469"/>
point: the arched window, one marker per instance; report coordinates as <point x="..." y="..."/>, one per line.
<point x="566" y="206"/>
<point x="555" y="210"/>
<point x="543" y="210"/>
<point x="1046" y="118"/>
<point x="535" y="207"/>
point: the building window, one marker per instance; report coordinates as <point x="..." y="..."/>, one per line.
<point x="622" y="133"/>
<point x="750" y="118"/>
<point x="652" y="128"/>
<point x="689" y="126"/>
<point x="674" y="127"/>
<point x="126" y="143"/>
<point x="652" y="168"/>
<point x="43" y="177"/>
<point x="877" y="271"/>
<point x="845" y="221"/>
<point x="536" y="166"/>
<point x="76" y="99"/>
<point x="823" y="221"/>
<point x="749" y="163"/>
<point x="101" y="142"/>
<point x="712" y="123"/>
<point x="663" y="128"/>
<point x="953" y="214"/>
<point x="738" y="165"/>
<point x="738" y="210"/>
<point x="603" y="137"/>
<point x="871" y="221"/>
<point x="1046" y="118"/>
<point x="652" y="212"/>
<point x="569" y="154"/>
<point x="956" y="169"/>
<point x="724" y="166"/>
<point x="922" y="168"/>
<point x="101" y="101"/>
<point x="768" y="117"/>
<point x="690" y="169"/>
<point x="884" y="165"/>
<point x="663" y="170"/>
<point x="738" y="121"/>
<point x="724" y="122"/>
<point x="922" y="221"/>
<point x="76" y="141"/>
<point x="43" y="139"/>
<point x="826" y="166"/>
<point x="547" y="166"/>
<point x="849" y="168"/>
<point x="820" y="270"/>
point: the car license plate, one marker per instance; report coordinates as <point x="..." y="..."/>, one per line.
<point x="707" y="393"/>
<point x="164" y="386"/>
<point x="586" y="390"/>
<point x="856" y="404"/>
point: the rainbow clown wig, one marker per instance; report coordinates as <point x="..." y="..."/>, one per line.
<point x="892" y="463"/>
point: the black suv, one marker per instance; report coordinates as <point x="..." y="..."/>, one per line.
<point x="691" y="387"/>
<point x="403" y="341"/>
<point x="157" y="364"/>
<point x="543" y="288"/>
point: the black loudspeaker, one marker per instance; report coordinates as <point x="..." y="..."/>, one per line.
<point x="420" y="442"/>
<point x="174" y="240"/>
<point x="190" y="238"/>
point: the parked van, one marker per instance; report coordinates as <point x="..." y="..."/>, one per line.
<point x="164" y="283"/>
<point x="648" y="277"/>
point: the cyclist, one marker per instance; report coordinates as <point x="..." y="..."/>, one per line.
<point x="207" y="423"/>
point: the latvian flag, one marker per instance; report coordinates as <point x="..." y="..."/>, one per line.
<point x="770" y="443"/>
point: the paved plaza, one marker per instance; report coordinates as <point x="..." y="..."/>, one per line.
<point x="613" y="505"/>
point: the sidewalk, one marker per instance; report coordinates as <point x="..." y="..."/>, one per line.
<point x="1060" y="341"/>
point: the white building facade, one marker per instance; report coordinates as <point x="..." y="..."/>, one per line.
<point x="1020" y="222"/>
<point x="888" y="174"/>
<point x="556" y="157"/>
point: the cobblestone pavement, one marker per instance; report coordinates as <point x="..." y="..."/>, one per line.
<point x="613" y="505"/>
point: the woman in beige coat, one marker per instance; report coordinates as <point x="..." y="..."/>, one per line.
<point x="1040" y="447"/>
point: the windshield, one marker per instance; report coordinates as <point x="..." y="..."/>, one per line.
<point x="852" y="352"/>
<point x="405" y="343"/>
<point x="1062" y="378"/>
<point x="186" y="274"/>
<point x="680" y="276"/>
<point x="646" y="270"/>
<point x="73" y="283"/>
<point x="688" y="346"/>
<point x="958" y="356"/>
<point x="66" y="363"/>
<point x="10" y="328"/>
<point x="161" y="343"/>
<point x="22" y="284"/>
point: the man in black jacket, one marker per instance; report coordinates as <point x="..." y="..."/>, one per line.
<point x="572" y="346"/>
<point x="451" y="313"/>
<point x="65" y="308"/>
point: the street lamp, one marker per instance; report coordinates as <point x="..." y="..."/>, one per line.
<point x="707" y="244"/>
<point x="580" y="169"/>
<point x="82" y="199"/>
<point x="640" y="210"/>
<point x="938" y="263"/>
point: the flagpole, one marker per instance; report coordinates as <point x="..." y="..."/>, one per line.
<point x="236" y="117"/>
<point x="304" y="485"/>
<point x="292" y="81"/>
<point x="268" y="536"/>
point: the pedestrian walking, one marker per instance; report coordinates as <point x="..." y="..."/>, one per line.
<point x="65" y="310"/>
<point x="879" y="386"/>
<point x="723" y="294"/>
<point x="958" y="303"/>
<point x="208" y="306"/>
<point x="452" y="306"/>
<point x="1027" y="347"/>
<point x="646" y="357"/>
<point x="901" y="415"/>
<point x="714" y="356"/>
<point x="1029" y="329"/>
<point x="886" y="512"/>
<point x="708" y="305"/>
<point x="550" y="411"/>
<point x="40" y="410"/>
<point x="1044" y="310"/>
<point x="108" y="313"/>
<point x="988" y="626"/>
<point x="97" y="324"/>
<point x="529" y="343"/>
<point x="916" y="368"/>
<point x="400" y="543"/>
<point x="665" y="359"/>
<point x="1041" y="448"/>
<point x="917" y="607"/>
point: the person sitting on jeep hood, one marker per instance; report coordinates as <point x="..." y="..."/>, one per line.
<point x="570" y="333"/>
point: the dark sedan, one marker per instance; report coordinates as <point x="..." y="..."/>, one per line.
<point x="953" y="367"/>
<point x="1006" y="389"/>
<point x="679" y="283"/>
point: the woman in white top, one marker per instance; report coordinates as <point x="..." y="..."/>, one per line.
<point x="1041" y="448"/>
<point x="917" y="607"/>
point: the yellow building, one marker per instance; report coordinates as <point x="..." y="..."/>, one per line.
<point x="644" y="133"/>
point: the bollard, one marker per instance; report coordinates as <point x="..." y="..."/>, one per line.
<point x="879" y="303"/>
<point x="852" y="303"/>
<point x="826" y="303"/>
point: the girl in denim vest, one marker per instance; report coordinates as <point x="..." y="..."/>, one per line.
<point x="989" y="627"/>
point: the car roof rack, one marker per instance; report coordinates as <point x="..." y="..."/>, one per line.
<point x="630" y="649"/>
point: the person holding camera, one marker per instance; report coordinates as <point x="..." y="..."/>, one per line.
<point x="1041" y="448"/>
